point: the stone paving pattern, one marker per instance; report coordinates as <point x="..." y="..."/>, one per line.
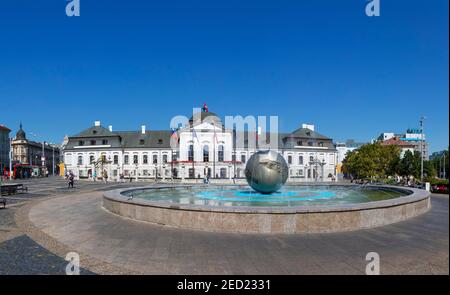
<point x="76" y="221"/>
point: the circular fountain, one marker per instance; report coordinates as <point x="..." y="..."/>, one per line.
<point x="267" y="206"/>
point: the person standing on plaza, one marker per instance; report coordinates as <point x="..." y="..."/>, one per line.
<point x="94" y="176"/>
<point x="71" y="179"/>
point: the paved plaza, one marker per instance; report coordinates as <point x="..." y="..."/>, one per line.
<point x="38" y="228"/>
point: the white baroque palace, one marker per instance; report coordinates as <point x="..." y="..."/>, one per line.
<point x="203" y="147"/>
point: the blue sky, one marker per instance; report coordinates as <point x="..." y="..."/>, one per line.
<point x="133" y="62"/>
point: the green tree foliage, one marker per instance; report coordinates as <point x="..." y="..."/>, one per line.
<point x="372" y="161"/>
<point x="376" y="161"/>
<point x="439" y="163"/>
<point x="410" y="164"/>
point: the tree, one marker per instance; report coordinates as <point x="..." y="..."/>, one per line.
<point x="410" y="164"/>
<point x="372" y="161"/>
<point x="428" y="169"/>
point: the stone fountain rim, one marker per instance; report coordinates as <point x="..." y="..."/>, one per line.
<point x="414" y="195"/>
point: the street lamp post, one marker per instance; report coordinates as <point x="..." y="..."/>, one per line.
<point x="53" y="160"/>
<point x="182" y="172"/>
<point x="421" y="148"/>
<point x="136" y="172"/>
<point x="10" y="158"/>
<point x="163" y="172"/>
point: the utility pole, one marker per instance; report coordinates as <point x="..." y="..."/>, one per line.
<point x="444" y="165"/>
<point x="10" y="158"/>
<point x="421" y="147"/>
<point x="53" y="160"/>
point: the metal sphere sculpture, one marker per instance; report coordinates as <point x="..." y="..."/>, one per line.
<point x="266" y="171"/>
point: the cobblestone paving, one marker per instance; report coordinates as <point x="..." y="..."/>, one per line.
<point x="21" y="255"/>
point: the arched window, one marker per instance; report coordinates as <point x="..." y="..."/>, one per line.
<point x="289" y="159"/>
<point x="155" y="159"/>
<point x="205" y="153"/>
<point x="91" y="159"/>
<point x="126" y="159"/>
<point x="80" y="160"/>
<point x="135" y="159"/>
<point x="300" y="160"/>
<point x="191" y="153"/>
<point x="164" y="158"/>
<point x="220" y="153"/>
<point x="116" y="159"/>
<point x="145" y="159"/>
<point x="311" y="158"/>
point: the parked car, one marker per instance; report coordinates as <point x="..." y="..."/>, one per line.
<point x="442" y="189"/>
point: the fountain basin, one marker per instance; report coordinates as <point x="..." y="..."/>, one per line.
<point x="315" y="213"/>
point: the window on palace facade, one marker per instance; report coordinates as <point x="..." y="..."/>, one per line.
<point x="191" y="153"/>
<point x="104" y="141"/>
<point x="164" y="158"/>
<point x="155" y="159"/>
<point x="103" y="158"/>
<point x="321" y="143"/>
<point x="160" y="141"/>
<point x="126" y="159"/>
<point x="311" y="158"/>
<point x="223" y="172"/>
<point x="145" y="159"/>
<point x="116" y="159"/>
<point x="310" y="143"/>
<point x="243" y="158"/>
<point x="141" y="142"/>
<point x="299" y="142"/>
<point x="300" y="172"/>
<point x="81" y="142"/>
<point x="206" y="153"/>
<point x="300" y="160"/>
<point x="135" y="159"/>
<point x="289" y="159"/>
<point x="92" y="142"/>
<point x="80" y="160"/>
<point x="221" y="153"/>
<point x="91" y="159"/>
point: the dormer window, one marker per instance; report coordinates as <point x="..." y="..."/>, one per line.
<point x="160" y="141"/>
<point x="141" y="142"/>
<point x="308" y="133"/>
<point x="94" y="131"/>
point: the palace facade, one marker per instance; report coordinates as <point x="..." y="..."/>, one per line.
<point x="202" y="147"/>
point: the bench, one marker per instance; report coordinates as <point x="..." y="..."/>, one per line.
<point x="9" y="189"/>
<point x="22" y="188"/>
<point x="3" y="201"/>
